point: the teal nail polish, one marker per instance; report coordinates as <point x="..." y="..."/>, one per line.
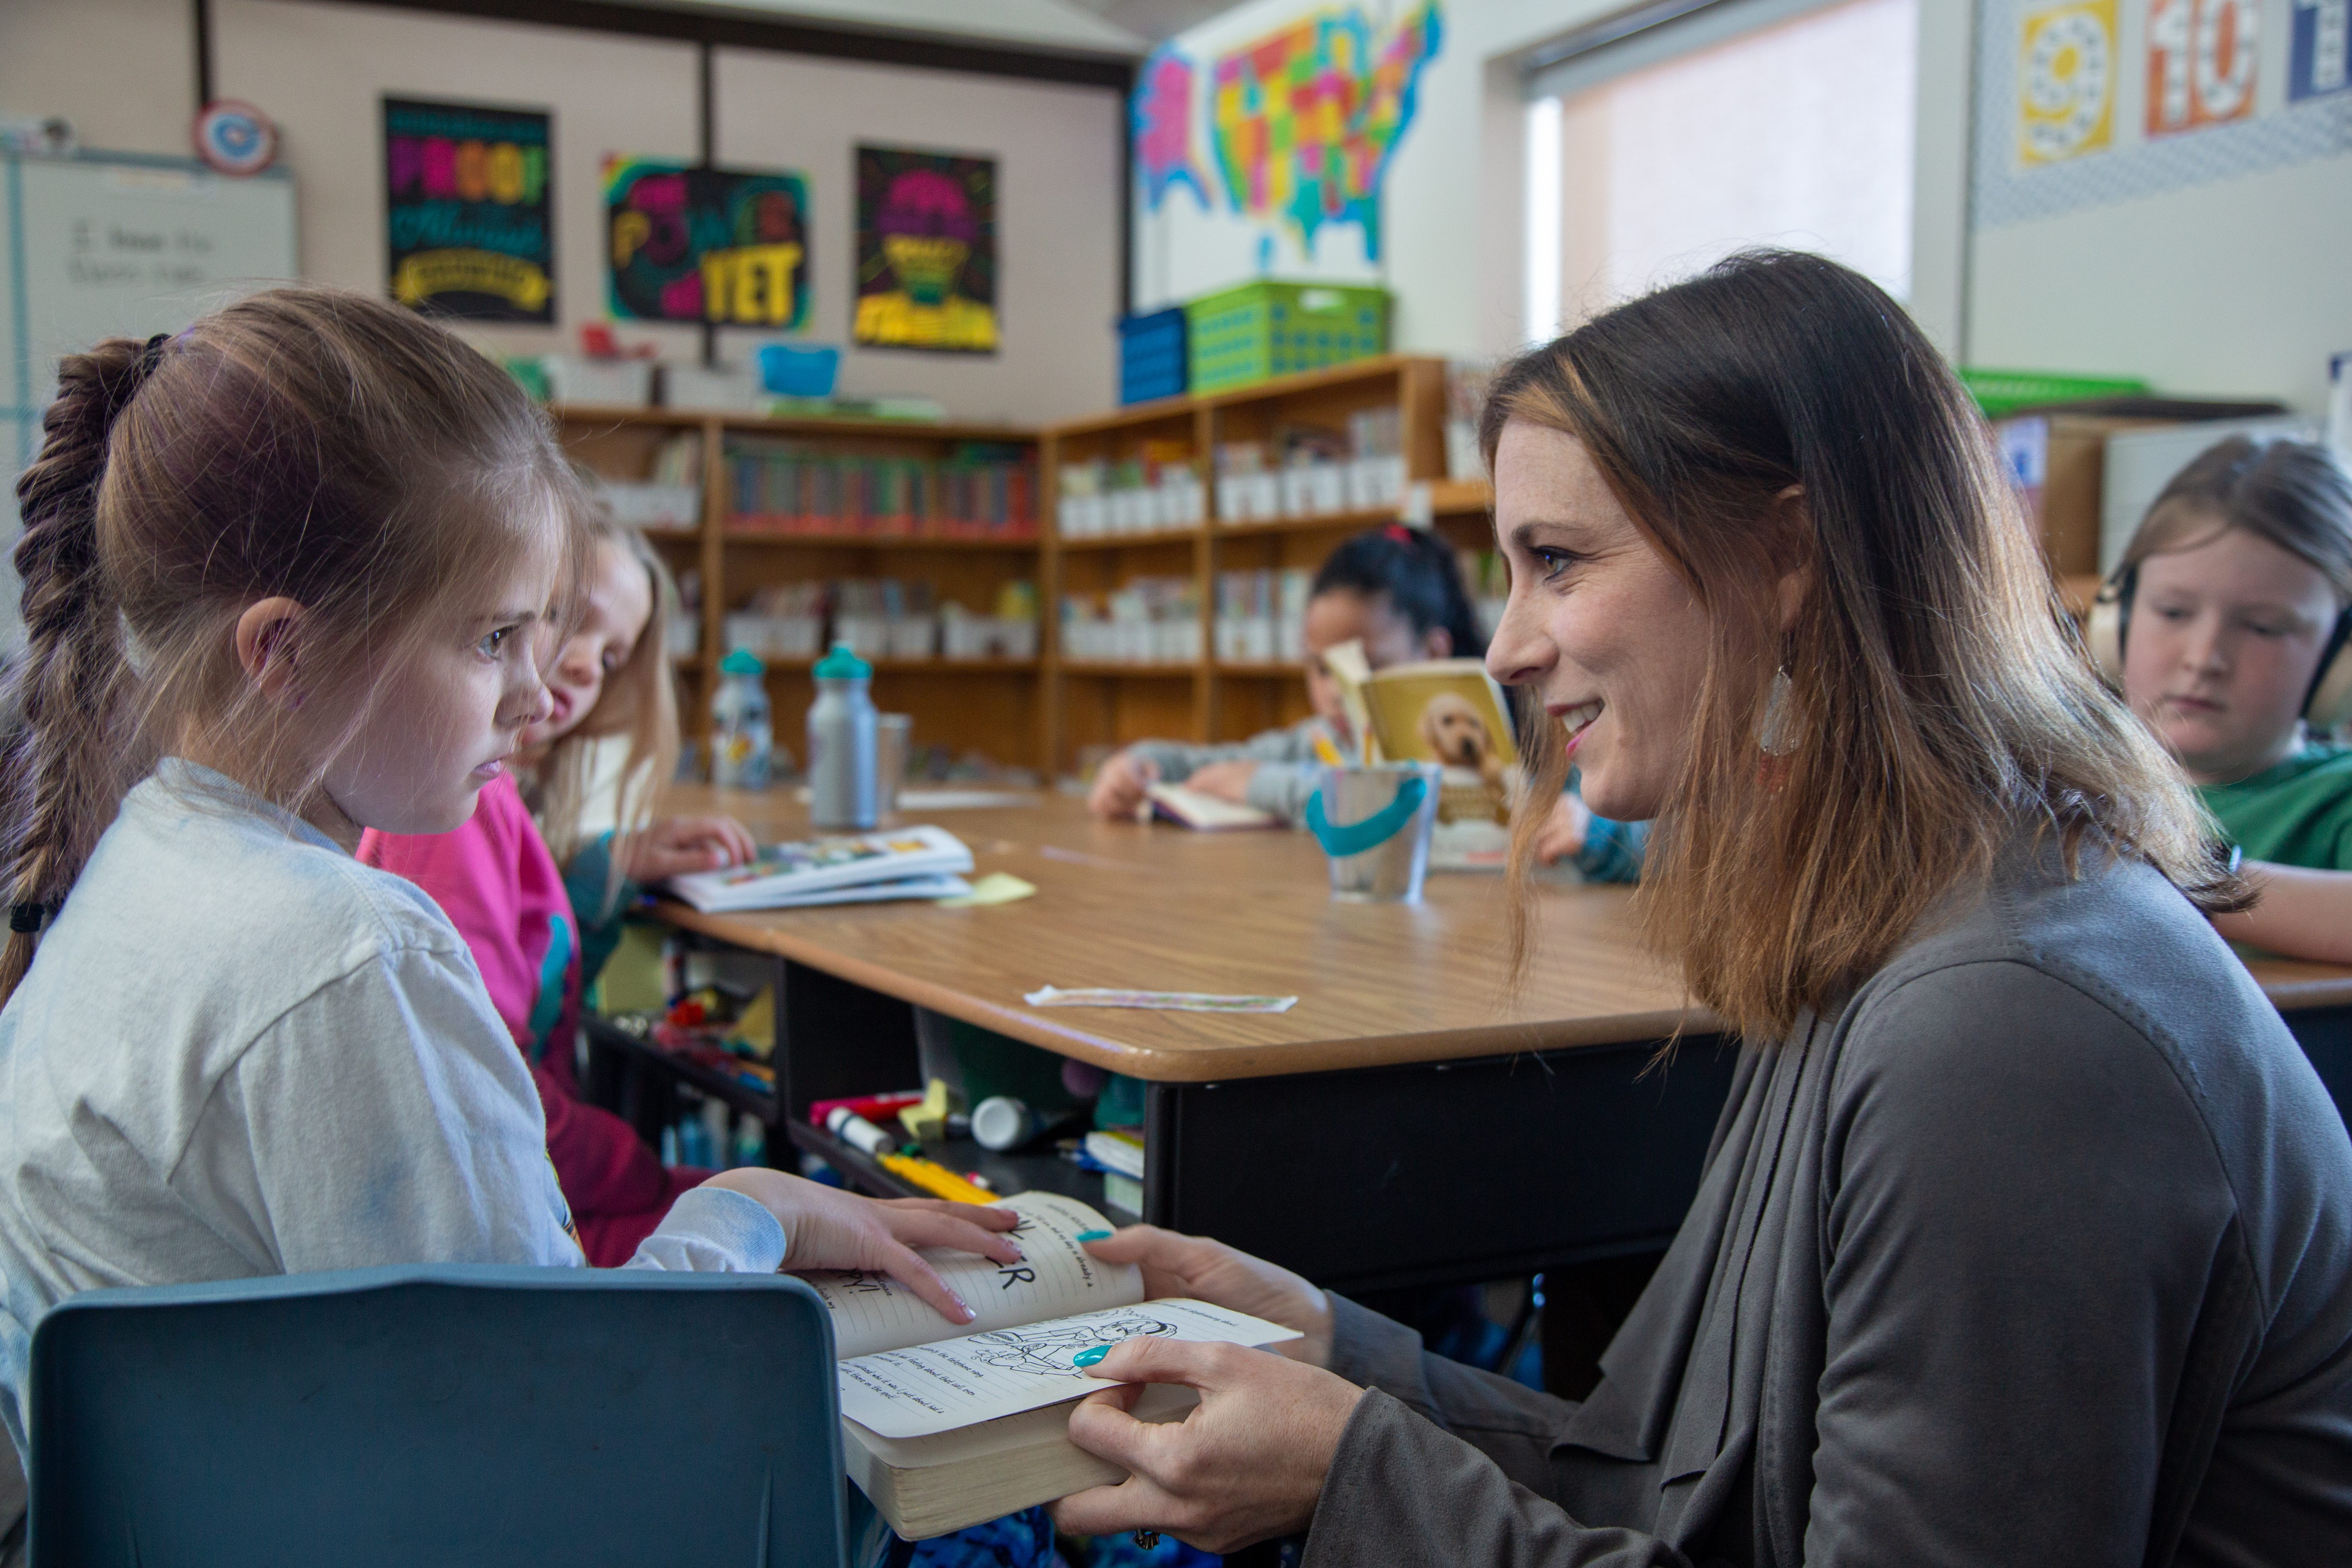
<point x="1090" y="1356"/>
<point x="1094" y="1236"/>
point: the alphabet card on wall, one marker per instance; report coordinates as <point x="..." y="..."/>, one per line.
<point x="926" y="251"/>
<point x="728" y="247"/>
<point x="2201" y="63"/>
<point x="468" y="210"/>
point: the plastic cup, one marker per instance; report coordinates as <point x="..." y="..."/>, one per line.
<point x="1374" y="822"/>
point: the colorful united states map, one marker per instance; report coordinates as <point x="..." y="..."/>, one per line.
<point x="1304" y="122"/>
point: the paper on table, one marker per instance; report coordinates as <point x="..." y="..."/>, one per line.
<point x="1055" y="1275"/>
<point x="938" y="1387"/>
<point x="1166" y="1001"/>
<point x="996" y="888"/>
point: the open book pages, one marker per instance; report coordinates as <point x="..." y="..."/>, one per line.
<point x="1349" y="668"/>
<point x="1449" y="711"/>
<point x="1194" y="809"/>
<point x="938" y="1387"/>
<point x="1055" y="1277"/>
<point x="939" y="886"/>
<point x="785" y="873"/>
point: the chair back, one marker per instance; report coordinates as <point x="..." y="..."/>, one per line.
<point x="473" y="1414"/>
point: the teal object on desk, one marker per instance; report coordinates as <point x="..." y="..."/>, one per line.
<point x="1356" y="837"/>
<point x="481" y="1413"/>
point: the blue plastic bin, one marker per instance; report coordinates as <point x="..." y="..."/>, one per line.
<point x="1153" y="361"/>
<point x="790" y="371"/>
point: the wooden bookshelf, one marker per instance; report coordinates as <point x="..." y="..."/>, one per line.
<point x="993" y="705"/>
<point x="1110" y="703"/>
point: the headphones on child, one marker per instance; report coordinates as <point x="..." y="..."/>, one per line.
<point x="2326" y="705"/>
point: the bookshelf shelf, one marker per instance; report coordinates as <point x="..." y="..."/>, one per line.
<point x="1030" y="542"/>
<point x="1115" y="667"/>
<point x="1134" y="540"/>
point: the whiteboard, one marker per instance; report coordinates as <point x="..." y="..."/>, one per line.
<point x="101" y="246"/>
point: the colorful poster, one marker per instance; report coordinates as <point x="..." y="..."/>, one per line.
<point x="2201" y="63"/>
<point x="2066" y="82"/>
<point x="926" y="251"/>
<point x="728" y="247"/>
<point x="1305" y="120"/>
<point x="2319" y="48"/>
<point x="468" y="210"/>
<point x="1160" y="118"/>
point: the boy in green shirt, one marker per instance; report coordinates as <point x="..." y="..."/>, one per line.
<point x="2227" y="617"/>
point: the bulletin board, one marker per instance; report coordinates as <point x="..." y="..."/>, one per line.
<point x="101" y="245"/>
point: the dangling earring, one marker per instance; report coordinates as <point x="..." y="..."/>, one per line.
<point x="1776" y="737"/>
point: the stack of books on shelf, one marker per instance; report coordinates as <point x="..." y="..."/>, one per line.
<point x="883" y="619"/>
<point x="1262" y="615"/>
<point x="1157" y="489"/>
<point x="1152" y="620"/>
<point x="1306" y="470"/>
<point x="979" y="490"/>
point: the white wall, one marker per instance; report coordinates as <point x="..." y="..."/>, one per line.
<point x="1057" y="151"/>
<point x="123" y="70"/>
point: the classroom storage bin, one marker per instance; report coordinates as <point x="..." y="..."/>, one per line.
<point x="2001" y="393"/>
<point x="1241" y="336"/>
<point x="605" y="383"/>
<point x="1152" y="356"/>
<point x="710" y="389"/>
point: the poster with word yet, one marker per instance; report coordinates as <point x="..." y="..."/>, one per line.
<point x="2201" y="63"/>
<point x="2319" y="48"/>
<point x="926" y="251"/>
<point x="727" y="246"/>
<point x="2066" y="82"/>
<point x="468" y="210"/>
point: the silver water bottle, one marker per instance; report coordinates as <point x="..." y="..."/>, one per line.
<point x="841" y="743"/>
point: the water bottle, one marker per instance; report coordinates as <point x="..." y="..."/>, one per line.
<point x="742" y="737"/>
<point x="841" y="743"/>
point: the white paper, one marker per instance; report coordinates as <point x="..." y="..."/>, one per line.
<point x="938" y="1387"/>
<point x="1056" y="1277"/>
<point x="1162" y="1001"/>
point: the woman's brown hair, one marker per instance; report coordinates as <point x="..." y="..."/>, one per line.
<point x="303" y="442"/>
<point x="2292" y="493"/>
<point x="638" y="704"/>
<point x="1941" y="700"/>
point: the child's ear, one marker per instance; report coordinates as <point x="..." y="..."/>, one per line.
<point x="268" y="637"/>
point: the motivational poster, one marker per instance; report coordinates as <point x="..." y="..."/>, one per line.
<point x="926" y="251"/>
<point x="727" y="246"/>
<point x="468" y="210"/>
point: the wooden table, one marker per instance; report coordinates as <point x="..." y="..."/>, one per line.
<point x="1413" y="1119"/>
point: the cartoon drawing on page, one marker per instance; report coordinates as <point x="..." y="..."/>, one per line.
<point x="1051" y="1349"/>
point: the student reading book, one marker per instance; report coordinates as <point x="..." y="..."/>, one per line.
<point x="946" y="1424"/>
<point x="1398" y="591"/>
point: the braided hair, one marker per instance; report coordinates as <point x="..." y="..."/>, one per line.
<point x="1416" y="572"/>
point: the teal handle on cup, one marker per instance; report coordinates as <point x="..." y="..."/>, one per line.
<point x="1355" y="838"/>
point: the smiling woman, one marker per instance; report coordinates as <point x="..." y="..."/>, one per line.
<point x="2014" y="1146"/>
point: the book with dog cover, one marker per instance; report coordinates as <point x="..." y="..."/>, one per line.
<point x="1449" y="711"/>
<point x="945" y="1425"/>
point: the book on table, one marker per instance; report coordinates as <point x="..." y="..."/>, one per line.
<point x="946" y="1424"/>
<point x="1195" y="809"/>
<point x="841" y="868"/>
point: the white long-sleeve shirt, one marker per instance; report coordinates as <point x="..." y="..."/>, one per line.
<point x="240" y="1052"/>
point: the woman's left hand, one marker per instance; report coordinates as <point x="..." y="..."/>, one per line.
<point x="1245" y="1465"/>
<point x="677" y="844"/>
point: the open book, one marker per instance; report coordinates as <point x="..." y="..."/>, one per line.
<point x="943" y="1425"/>
<point x="905" y="863"/>
<point x="1194" y="809"/>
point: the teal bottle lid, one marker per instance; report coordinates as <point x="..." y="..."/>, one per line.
<point x="841" y="664"/>
<point x="743" y="661"/>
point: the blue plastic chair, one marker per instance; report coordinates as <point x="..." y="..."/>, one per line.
<point x="474" y="1414"/>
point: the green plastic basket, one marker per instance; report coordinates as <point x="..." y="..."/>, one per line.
<point x="2003" y="392"/>
<point x="1261" y="330"/>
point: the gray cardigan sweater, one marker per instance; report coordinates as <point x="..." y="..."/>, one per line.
<point x="2038" y="1249"/>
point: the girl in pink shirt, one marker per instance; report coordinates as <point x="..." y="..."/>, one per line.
<point x="537" y="941"/>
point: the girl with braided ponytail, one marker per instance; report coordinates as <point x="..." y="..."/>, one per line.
<point x="286" y="577"/>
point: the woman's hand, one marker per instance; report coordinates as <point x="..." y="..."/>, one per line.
<point x="1222" y="1276"/>
<point x="1226" y="781"/>
<point x="1562" y="833"/>
<point x="1247" y="1464"/>
<point x="1119" y="785"/>
<point x="678" y="844"/>
<point x="826" y="1227"/>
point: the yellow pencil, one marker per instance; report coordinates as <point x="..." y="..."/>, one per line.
<point x="936" y="1179"/>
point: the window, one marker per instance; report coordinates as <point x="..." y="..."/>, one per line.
<point x="1795" y="131"/>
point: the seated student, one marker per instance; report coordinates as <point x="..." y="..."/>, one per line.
<point x="2225" y="613"/>
<point x="1399" y="591"/>
<point x="282" y="576"/>
<point x="539" y="943"/>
